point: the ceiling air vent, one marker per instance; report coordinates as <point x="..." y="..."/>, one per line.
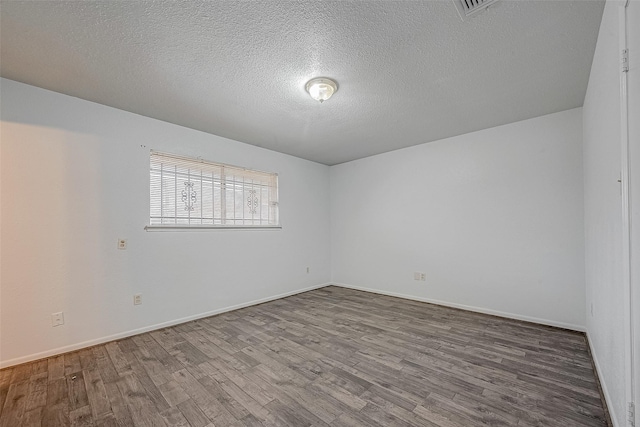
<point x="468" y="8"/>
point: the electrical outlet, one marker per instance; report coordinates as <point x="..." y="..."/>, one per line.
<point x="137" y="299"/>
<point x="423" y="277"/>
<point x="416" y="275"/>
<point x="122" y="243"/>
<point x="57" y="319"/>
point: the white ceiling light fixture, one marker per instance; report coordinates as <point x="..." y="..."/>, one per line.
<point x="321" y="88"/>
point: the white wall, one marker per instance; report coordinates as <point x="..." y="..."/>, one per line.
<point x="633" y="22"/>
<point x="605" y="290"/>
<point x="494" y="218"/>
<point x="74" y="178"/>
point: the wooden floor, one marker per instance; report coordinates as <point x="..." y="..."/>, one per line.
<point x="332" y="356"/>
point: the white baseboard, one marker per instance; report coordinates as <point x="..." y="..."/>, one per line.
<point x="603" y="385"/>
<point x="563" y="325"/>
<point x="125" y="334"/>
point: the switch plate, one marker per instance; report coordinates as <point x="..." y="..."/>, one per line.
<point x="122" y="243"/>
<point x="308" y="270"/>
<point x="416" y="275"/>
<point x="423" y="277"/>
<point x="57" y="319"/>
<point x="137" y="299"/>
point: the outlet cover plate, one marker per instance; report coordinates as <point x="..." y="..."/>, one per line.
<point x="57" y="319"/>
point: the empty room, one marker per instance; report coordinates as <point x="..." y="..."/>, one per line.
<point x="320" y="213"/>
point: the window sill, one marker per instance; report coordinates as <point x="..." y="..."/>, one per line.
<point x="210" y="227"/>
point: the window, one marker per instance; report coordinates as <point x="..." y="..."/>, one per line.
<point x="192" y="193"/>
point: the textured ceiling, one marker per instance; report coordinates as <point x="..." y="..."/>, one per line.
<point x="408" y="72"/>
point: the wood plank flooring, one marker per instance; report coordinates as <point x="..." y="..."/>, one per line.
<point x="329" y="357"/>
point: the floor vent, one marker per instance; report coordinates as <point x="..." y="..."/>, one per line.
<point x="468" y="8"/>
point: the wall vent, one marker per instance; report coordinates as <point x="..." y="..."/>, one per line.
<point x="468" y="8"/>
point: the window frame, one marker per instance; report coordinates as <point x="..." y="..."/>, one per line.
<point x="223" y="207"/>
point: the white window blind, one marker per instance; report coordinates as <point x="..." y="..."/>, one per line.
<point x="188" y="192"/>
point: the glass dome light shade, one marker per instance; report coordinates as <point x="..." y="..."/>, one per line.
<point x="321" y="88"/>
